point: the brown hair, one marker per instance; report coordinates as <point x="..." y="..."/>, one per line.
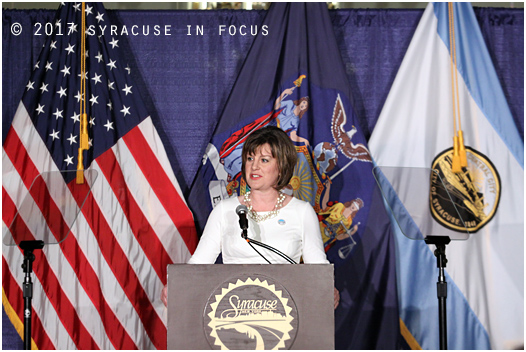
<point x="298" y="102"/>
<point x="281" y="147"/>
<point x="359" y="204"/>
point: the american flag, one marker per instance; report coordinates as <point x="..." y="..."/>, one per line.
<point x="99" y="288"/>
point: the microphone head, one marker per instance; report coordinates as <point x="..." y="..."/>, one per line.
<point x="241" y="209"/>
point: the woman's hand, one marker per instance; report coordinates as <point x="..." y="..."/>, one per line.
<point x="164" y="295"/>
<point x="288" y="91"/>
<point x="336" y="298"/>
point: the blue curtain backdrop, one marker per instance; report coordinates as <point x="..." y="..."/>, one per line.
<point x="185" y="79"/>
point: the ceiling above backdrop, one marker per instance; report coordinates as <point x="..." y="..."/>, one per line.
<point x="240" y="5"/>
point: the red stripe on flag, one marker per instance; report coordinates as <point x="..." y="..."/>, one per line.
<point x="119" y="337"/>
<point x="163" y="188"/>
<point x="75" y="256"/>
<point x="14" y="294"/>
<point x="8" y="213"/>
<point x="141" y="228"/>
<point x="65" y="310"/>
<point x="119" y="264"/>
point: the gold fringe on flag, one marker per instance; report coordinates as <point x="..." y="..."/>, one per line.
<point x="462" y="149"/>
<point x="455" y="165"/>
<point x="18" y="324"/>
<point x="459" y="150"/>
<point x="84" y="142"/>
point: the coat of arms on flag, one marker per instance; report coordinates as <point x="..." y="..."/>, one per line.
<point x="455" y="92"/>
<point x="293" y="78"/>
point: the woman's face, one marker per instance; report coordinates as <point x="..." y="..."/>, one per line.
<point x="261" y="169"/>
<point x="304" y="105"/>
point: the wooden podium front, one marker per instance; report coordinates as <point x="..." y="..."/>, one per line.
<point x="251" y="306"/>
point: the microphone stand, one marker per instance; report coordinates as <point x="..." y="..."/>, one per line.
<point x="242" y="211"/>
<point x="440" y="243"/>
<point x="27" y="286"/>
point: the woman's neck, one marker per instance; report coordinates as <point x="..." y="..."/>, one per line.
<point x="264" y="200"/>
<point x="297" y="110"/>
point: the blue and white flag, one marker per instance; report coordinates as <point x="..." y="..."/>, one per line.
<point x="485" y="273"/>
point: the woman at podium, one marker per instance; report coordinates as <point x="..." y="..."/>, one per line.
<point x="276" y="219"/>
<point x="279" y="220"/>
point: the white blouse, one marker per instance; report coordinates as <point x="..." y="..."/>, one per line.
<point x="295" y="231"/>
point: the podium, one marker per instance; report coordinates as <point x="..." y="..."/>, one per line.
<point x="250" y="306"/>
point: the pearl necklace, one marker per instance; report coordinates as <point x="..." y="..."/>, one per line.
<point x="254" y="214"/>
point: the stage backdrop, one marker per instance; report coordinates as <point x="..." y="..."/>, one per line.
<point x="185" y="76"/>
<point x="185" y="79"/>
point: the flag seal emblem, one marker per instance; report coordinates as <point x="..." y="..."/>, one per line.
<point x="250" y="313"/>
<point x="475" y="192"/>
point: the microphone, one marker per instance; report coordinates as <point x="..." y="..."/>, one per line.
<point x="242" y="211"/>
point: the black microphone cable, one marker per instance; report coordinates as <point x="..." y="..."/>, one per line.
<point x="266" y="246"/>
<point x="254" y="248"/>
<point x="242" y="212"/>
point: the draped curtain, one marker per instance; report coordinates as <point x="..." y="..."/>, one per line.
<point x="185" y="77"/>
